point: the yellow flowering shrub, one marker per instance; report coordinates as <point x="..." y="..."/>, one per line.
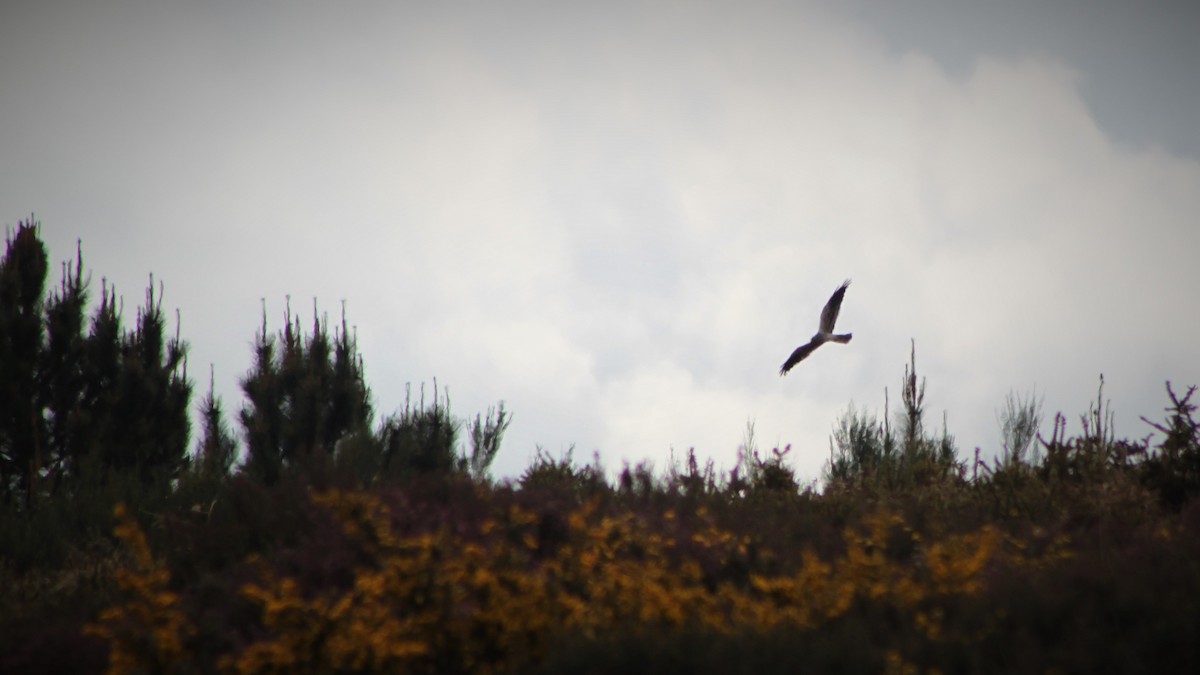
<point x="483" y="596"/>
<point x="490" y="602"/>
<point x="146" y="633"/>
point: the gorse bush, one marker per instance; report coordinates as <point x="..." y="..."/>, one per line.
<point x="491" y="579"/>
<point x="494" y="593"/>
<point x="146" y="632"/>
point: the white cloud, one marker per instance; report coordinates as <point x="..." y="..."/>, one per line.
<point x="621" y="220"/>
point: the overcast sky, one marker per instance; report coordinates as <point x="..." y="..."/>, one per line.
<point x="621" y="217"/>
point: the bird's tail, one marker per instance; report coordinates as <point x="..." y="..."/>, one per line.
<point x="843" y="338"/>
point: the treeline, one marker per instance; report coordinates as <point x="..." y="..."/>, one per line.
<point x="93" y="412"/>
<point x="75" y="389"/>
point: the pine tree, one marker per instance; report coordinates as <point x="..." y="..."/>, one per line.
<point x="22" y="330"/>
<point x="262" y="416"/>
<point x="304" y="397"/>
<point x="101" y="371"/>
<point x="63" y="369"/>
<point x="118" y="399"/>
<point x="217" y="449"/>
<point x="421" y="439"/>
<point x="154" y="396"/>
<point x="349" y="397"/>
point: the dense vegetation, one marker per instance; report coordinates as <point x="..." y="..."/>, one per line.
<point x="314" y="538"/>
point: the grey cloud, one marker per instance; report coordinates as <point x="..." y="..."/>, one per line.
<point x="620" y="218"/>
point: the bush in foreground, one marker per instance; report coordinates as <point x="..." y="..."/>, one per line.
<point x="500" y="581"/>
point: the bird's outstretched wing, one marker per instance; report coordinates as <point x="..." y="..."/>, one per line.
<point x="800" y="354"/>
<point x="829" y="315"/>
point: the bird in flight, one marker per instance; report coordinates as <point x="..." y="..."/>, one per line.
<point x="824" y="333"/>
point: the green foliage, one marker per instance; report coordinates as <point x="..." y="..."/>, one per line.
<point x="863" y="446"/>
<point x="215" y="454"/>
<point x="546" y="472"/>
<point x="1172" y="470"/>
<point x="359" y="457"/>
<point x="74" y="520"/>
<point x="304" y="394"/>
<point x="22" y="336"/>
<point x="217" y="450"/>
<point x="486" y="434"/>
<point x="867" y="451"/>
<point x="690" y="480"/>
<point x="309" y="408"/>
<point x="68" y="372"/>
<point x="421" y="439"/>
<point x="1092" y="475"/>
<point x="1019" y="423"/>
<point x="113" y="397"/>
<point x="756" y="475"/>
<point x="148" y="425"/>
<point x="1093" y="457"/>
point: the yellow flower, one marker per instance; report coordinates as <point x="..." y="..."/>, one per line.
<point x="148" y="609"/>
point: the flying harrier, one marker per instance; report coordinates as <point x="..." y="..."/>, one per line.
<point x="825" y="334"/>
